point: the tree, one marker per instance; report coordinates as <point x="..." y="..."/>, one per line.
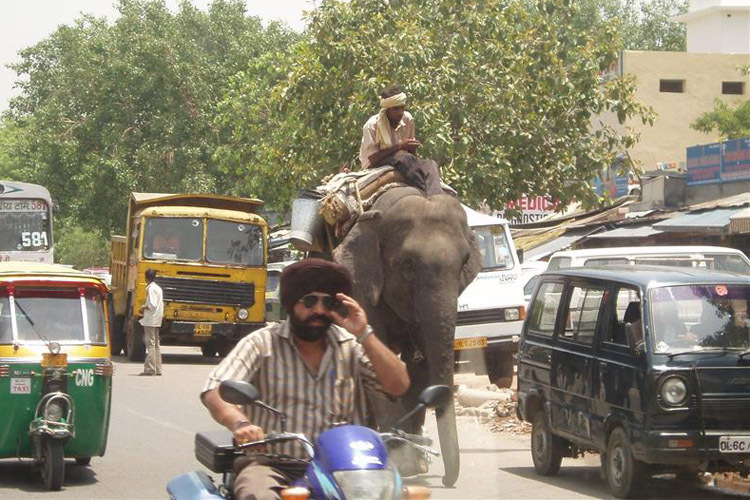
<point x="106" y="109"/>
<point x="730" y="122"/>
<point x="80" y="248"/>
<point x="506" y="97"/>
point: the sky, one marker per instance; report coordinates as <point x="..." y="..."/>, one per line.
<point x="24" y="23"/>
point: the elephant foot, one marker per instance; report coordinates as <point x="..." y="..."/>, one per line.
<point x="409" y="461"/>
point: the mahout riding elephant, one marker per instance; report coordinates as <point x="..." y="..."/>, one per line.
<point x="411" y="257"/>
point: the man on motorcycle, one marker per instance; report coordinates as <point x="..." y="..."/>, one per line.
<point x="318" y="368"/>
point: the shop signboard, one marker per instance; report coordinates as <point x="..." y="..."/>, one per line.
<point x="704" y="164"/>
<point x="736" y="160"/>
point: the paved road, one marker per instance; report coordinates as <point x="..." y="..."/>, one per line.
<point x="154" y="420"/>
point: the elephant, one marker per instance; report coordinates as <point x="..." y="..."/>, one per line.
<point x="411" y="256"/>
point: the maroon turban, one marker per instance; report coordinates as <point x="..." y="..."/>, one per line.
<point x="312" y="275"/>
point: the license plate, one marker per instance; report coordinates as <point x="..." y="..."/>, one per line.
<point x="203" y="329"/>
<point x="474" y="343"/>
<point x="732" y="444"/>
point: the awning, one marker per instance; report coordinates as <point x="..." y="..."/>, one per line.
<point x="629" y="232"/>
<point x="559" y="243"/>
<point x="710" y="221"/>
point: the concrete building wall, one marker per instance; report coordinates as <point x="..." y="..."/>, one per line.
<point x="701" y="76"/>
<point x="701" y="37"/>
<point x="719" y="26"/>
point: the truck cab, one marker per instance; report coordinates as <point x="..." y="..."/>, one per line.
<point x="491" y="309"/>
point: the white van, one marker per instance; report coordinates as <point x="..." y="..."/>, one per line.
<point x="718" y="258"/>
<point x="491" y="309"/>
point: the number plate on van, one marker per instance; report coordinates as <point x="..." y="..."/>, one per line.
<point x="475" y="343"/>
<point x="730" y="444"/>
<point x="203" y="329"/>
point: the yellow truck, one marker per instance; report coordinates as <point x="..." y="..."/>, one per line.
<point x="209" y="253"/>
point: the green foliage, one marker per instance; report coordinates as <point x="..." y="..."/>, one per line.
<point x="730" y="122"/>
<point x="80" y="248"/>
<point x="107" y="109"/>
<point x="642" y="25"/>
<point x="505" y="95"/>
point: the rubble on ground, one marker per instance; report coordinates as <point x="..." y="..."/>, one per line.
<point x="493" y="407"/>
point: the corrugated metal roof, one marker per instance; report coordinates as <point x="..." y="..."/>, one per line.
<point x="559" y="243"/>
<point x="629" y="232"/>
<point x="711" y="221"/>
<point x="740" y="222"/>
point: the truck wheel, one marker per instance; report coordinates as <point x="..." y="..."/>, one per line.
<point x="208" y="349"/>
<point x="53" y="464"/>
<point x="500" y="369"/>
<point x="625" y="474"/>
<point x="225" y="348"/>
<point x="117" y="335"/>
<point x="546" y="449"/>
<point x="135" y="345"/>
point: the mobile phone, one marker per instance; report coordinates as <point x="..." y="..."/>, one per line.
<point x="341" y="309"/>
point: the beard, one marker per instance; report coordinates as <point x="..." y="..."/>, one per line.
<point x="304" y="330"/>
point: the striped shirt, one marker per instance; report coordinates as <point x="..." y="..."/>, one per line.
<point x="312" y="402"/>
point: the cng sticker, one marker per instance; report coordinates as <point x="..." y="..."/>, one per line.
<point x="84" y="378"/>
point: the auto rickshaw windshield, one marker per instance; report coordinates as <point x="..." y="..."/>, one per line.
<point x="700" y="317"/>
<point x="59" y="315"/>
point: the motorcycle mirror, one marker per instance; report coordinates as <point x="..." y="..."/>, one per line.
<point x="435" y="395"/>
<point x="237" y="392"/>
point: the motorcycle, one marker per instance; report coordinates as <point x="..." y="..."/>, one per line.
<point x="348" y="462"/>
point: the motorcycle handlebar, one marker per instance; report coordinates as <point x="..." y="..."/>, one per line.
<point x="413" y="438"/>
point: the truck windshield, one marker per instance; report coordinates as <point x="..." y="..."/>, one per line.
<point x="699" y="317"/>
<point x="494" y="247"/>
<point x="24" y="226"/>
<point x="54" y="315"/>
<point x="234" y="243"/>
<point x="173" y="238"/>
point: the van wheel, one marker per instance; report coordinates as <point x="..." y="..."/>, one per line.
<point x="546" y="449"/>
<point x="625" y="475"/>
<point x="500" y="369"/>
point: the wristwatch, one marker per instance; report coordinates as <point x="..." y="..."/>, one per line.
<point x="368" y="331"/>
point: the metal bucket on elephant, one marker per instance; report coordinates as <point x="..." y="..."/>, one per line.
<point x="307" y="225"/>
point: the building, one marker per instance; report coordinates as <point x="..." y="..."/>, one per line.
<point x="680" y="86"/>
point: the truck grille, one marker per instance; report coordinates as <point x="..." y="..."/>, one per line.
<point x="483" y="316"/>
<point x="207" y="291"/>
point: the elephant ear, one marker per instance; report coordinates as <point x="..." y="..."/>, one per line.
<point x="473" y="264"/>
<point x="360" y="253"/>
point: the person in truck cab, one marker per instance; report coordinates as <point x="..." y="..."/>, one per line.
<point x="388" y="138"/>
<point x="318" y="367"/>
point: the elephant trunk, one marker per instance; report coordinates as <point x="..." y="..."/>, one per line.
<point x="437" y="325"/>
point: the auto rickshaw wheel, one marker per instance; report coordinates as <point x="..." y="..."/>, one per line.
<point x="83" y="461"/>
<point x="53" y="463"/>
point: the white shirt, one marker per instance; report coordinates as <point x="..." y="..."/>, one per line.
<point x="369" y="146"/>
<point x="154" y="311"/>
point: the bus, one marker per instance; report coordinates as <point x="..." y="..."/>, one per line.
<point x="25" y="222"/>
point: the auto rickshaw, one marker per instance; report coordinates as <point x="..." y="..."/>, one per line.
<point x="55" y="367"/>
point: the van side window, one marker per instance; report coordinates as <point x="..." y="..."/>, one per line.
<point x="626" y="329"/>
<point x="558" y="263"/>
<point x="583" y="312"/>
<point x="544" y="308"/>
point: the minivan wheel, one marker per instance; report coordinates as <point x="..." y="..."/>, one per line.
<point x="625" y="475"/>
<point x="546" y="449"/>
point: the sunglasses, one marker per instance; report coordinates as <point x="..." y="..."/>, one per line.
<point x="329" y="301"/>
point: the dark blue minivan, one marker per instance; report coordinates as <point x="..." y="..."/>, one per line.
<point x="648" y="366"/>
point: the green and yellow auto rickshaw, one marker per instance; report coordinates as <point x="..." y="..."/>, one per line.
<point x="55" y="367"/>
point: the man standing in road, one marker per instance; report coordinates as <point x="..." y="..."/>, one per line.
<point x="388" y="138"/>
<point x="316" y="372"/>
<point x="153" y="312"/>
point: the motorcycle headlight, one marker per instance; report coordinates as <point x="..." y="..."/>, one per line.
<point x="367" y="484"/>
<point x="674" y="391"/>
<point x="53" y="412"/>
<point x="242" y="314"/>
